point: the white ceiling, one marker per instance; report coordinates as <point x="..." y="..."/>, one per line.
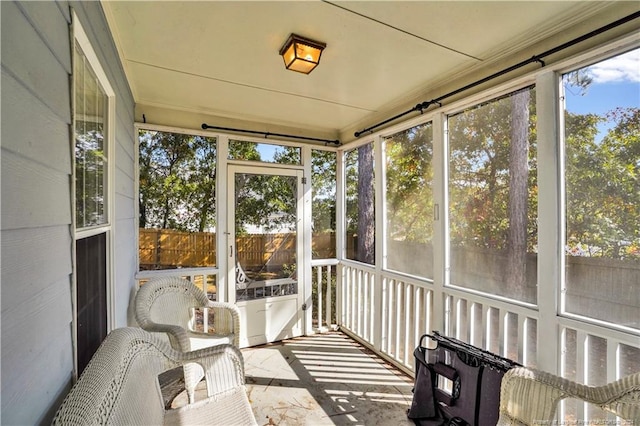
<point x="220" y="58"/>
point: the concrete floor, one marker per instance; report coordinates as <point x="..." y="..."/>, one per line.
<point x="325" y="379"/>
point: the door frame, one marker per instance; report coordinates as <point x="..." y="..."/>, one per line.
<point x="230" y="248"/>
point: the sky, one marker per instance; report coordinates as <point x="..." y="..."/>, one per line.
<point x="616" y="83"/>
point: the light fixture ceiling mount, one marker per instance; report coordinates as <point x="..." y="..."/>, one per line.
<point x="301" y="54"/>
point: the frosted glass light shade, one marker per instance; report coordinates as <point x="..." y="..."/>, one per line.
<point x="301" y="54"/>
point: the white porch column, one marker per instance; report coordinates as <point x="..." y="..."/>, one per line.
<point x="550" y="214"/>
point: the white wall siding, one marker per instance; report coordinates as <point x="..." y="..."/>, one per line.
<point x="33" y="194"/>
<point x="19" y="107"/>
<point x="36" y="234"/>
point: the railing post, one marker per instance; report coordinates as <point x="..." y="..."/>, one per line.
<point x="328" y="301"/>
<point x="319" y="278"/>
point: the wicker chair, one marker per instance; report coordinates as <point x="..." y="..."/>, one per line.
<point x="531" y="397"/>
<point x="120" y="385"/>
<point x="166" y="305"/>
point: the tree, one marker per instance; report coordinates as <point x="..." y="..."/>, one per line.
<point x="161" y="177"/>
<point x="366" y="211"/>
<point x="409" y="181"/>
<point x="323" y="181"/>
<point x="493" y="193"/>
<point x="518" y="194"/>
<point x="90" y="168"/>
<point x="602" y="180"/>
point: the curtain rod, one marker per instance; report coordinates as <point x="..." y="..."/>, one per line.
<point x="535" y="58"/>
<point x="336" y="142"/>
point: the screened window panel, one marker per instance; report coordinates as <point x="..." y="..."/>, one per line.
<point x="409" y="201"/>
<point x="360" y="204"/>
<point x="602" y="165"/>
<point x="177" y="200"/>
<point x="493" y="197"/>
<point x="323" y="182"/>
<point x="265" y="152"/>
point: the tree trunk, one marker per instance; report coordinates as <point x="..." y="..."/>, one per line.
<point x="142" y="218"/>
<point x="518" y="177"/>
<point x="366" y="213"/>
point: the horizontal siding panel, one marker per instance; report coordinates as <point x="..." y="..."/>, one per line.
<point x="22" y="249"/>
<point x="26" y="56"/>
<point x="28" y="388"/>
<point x="125" y="146"/>
<point x="125" y="117"/>
<point x="33" y="195"/>
<point x="27" y="330"/>
<point x="126" y="265"/>
<point x="125" y="240"/>
<point x="26" y="326"/>
<point x="126" y="244"/>
<point x="47" y="141"/>
<point x="124" y="185"/>
<point x="52" y="26"/>
<point x="124" y="208"/>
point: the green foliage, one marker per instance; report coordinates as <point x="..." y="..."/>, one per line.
<point x="177" y="181"/>
<point x="479" y="152"/>
<point x="265" y="201"/>
<point x="90" y="163"/>
<point x="409" y="184"/>
<point x="323" y="183"/>
<point x="603" y="184"/>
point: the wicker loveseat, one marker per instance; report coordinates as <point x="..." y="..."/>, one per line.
<point x="531" y="397"/>
<point x="120" y="385"/>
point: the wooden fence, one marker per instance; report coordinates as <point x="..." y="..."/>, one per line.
<point x="606" y="289"/>
<point x="166" y="248"/>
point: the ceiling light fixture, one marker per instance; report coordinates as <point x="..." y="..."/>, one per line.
<point x="301" y="54"/>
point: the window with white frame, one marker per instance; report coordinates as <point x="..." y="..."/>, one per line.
<point x="602" y="188"/>
<point x="493" y="196"/>
<point x="177" y="200"/>
<point x="93" y="111"/>
<point x="409" y="201"/>
<point x="360" y="204"/>
<point x="323" y="183"/>
<point x="91" y="145"/>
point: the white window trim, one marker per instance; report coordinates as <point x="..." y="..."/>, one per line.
<point x="80" y="37"/>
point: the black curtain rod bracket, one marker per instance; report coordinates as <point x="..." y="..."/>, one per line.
<point x="535" y="58"/>
<point x="266" y="135"/>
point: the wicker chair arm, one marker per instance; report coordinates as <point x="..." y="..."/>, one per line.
<point x="178" y="336"/>
<point x="223" y="367"/>
<point x="530" y="396"/>
<point x="226" y="319"/>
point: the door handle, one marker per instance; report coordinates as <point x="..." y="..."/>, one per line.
<point x="231" y="251"/>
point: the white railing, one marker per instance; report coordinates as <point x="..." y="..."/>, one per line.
<point x="205" y="278"/>
<point x="595" y="355"/>
<point x="407" y="312"/>
<point x="389" y="312"/>
<point x="357" y="299"/>
<point x="323" y="282"/>
<point x="504" y="328"/>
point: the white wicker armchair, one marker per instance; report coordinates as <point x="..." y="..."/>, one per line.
<point x="531" y="397"/>
<point x="120" y="385"/>
<point x="166" y="305"/>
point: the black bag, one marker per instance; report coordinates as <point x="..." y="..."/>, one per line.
<point x="456" y="384"/>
